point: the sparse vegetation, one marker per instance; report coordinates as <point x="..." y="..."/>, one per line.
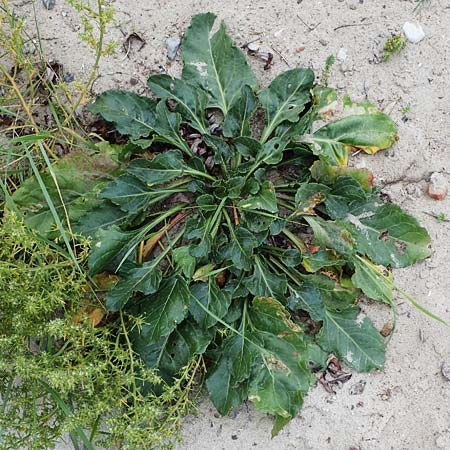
<point x="395" y="44"/>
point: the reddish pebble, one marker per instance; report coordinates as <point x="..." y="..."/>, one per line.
<point x="438" y="187"/>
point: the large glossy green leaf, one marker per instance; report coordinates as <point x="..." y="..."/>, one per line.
<point x="214" y="64"/>
<point x="105" y="215"/>
<point x="184" y="260"/>
<point x="347" y="198"/>
<point x="129" y="193"/>
<point x="240" y="248"/>
<point x="145" y="279"/>
<point x="131" y="114"/>
<point x="191" y="101"/>
<point x="329" y="234"/>
<point x="165" y="309"/>
<point x="371" y="280"/>
<point x="237" y="121"/>
<point x="212" y="298"/>
<point x="285" y="98"/>
<point x="390" y="237"/>
<point x="227" y="381"/>
<point x="281" y="379"/>
<point x="264" y="200"/>
<point x="171" y="353"/>
<point x="266" y="361"/>
<point x="318" y="293"/>
<point x="368" y="132"/>
<point x="109" y="247"/>
<point x="352" y="337"/>
<point x="264" y="282"/>
<point x="164" y="167"/>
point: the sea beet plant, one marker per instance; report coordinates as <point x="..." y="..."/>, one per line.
<point x="238" y="232"/>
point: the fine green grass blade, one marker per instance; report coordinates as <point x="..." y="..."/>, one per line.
<point x="49" y="201"/>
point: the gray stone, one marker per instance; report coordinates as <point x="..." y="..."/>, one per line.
<point x="49" y="4"/>
<point x="173" y="44"/>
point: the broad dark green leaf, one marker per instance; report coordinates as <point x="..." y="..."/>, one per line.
<point x="371" y="280"/>
<point x="312" y="262"/>
<point x="109" y="247"/>
<point x="348" y="198"/>
<point x="285" y="98"/>
<point x="351" y="336"/>
<point x="264" y="200"/>
<point x="131" y="114"/>
<point x="318" y="293"/>
<point x="171" y="353"/>
<point x="282" y="379"/>
<point x="184" y="260"/>
<point x="240" y="248"/>
<point x="390" y="237"/>
<point x="329" y="234"/>
<point x="197" y="230"/>
<point x="103" y="216"/>
<point x="227" y="381"/>
<point x="164" y="167"/>
<point x="368" y="132"/>
<point x="237" y="121"/>
<point x="129" y="193"/>
<point x="271" y="152"/>
<point x="165" y="309"/>
<point x="214" y="64"/>
<point x="145" y="279"/>
<point x="264" y="282"/>
<point x="191" y="102"/>
<point x="214" y="299"/>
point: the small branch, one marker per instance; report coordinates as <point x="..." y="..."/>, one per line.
<point x="151" y="243"/>
<point x="235" y="215"/>
<point x="352" y="25"/>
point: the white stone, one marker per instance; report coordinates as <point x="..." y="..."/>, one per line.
<point x="342" y="54"/>
<point x="253" y="46"/>
<point x="413" y="32"/>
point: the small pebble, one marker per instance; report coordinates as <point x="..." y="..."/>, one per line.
<point x="342" y="54"/>
<point x="323" y="42"/>
<point x="438" y="187"/>
<point x="48" y="4"/>
<point x="253" y="46"/>
<point x="358" y="388"/>
<point x="173" y="44"/>
<point x="445" y="369"/>
<point x="413" y="32"/>
<point x="68" y="77"/>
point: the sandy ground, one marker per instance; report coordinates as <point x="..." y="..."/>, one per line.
<point x="406" y="406"/>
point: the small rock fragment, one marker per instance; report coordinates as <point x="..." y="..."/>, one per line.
<point x="387" y="329"/>
<point x="253" y="46"/>
<point x="413" y="32"/>
<point x="438" y="187"/>
<point x="445" y="370"/>
<point x="68" y="77"/>
<point x="48" y="4"/>
<point x="342" y="54"/>
<point x="173" y="44"/>
<point x="358" y="388"/>
<point x="323" y="42"/>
